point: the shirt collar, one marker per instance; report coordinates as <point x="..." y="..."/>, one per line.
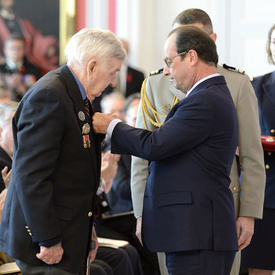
<point x="80" y="86"/>
<point x="200" y="81"/>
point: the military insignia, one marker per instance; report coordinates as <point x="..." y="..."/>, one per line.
<point x="86" y="128"/>
<point x="86" y="141"/>
<point x="233" y="69"/>
<point x="166" y="108"/>
<point x="160" y="71"/>
<point x="81" y="116"/>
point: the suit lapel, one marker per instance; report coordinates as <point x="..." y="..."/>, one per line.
<point x="83" y="119"/>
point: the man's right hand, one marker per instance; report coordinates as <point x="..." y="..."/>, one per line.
<point x="51" y="255"/>
<point x="138" y="229"/>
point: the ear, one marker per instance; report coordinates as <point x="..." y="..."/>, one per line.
<point x="213" y="36"/>
<point x="192" y="57"/>
<point x="91" y="67"/>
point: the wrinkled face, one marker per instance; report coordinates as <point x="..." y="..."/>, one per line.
<point x="101" y="75"/>
<point x="178" y="69"/>
<point x="272" y="45"/>
<point x="14" y="50"/>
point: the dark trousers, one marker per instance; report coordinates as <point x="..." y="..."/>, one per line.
<point x="200" y="262"/>
<point x="29" y="269"/>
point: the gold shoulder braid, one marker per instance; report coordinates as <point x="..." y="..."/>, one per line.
<point x="233" y="69"/>
<point x="145" y="105"/>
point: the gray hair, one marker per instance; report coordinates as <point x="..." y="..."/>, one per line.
<point x="91" y="43"/>
<point x="6" y="110"/>
<point x="105" y="101"/>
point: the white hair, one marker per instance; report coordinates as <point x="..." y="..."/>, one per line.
<point x="6" y="110"/>
<point x="91" y="43"/>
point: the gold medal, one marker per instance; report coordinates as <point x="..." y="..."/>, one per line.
<point x="86" y="128"/>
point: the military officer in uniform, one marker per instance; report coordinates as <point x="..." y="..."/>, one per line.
<point x="158" y="96"/>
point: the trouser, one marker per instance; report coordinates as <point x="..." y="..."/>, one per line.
<point x="29" y="269"/>
<point x="200" y="262"/>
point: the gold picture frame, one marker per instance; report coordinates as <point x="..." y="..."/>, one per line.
<point x="67" y="25"/>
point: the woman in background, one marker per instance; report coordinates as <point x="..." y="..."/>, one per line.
<point x="259" y="256"/>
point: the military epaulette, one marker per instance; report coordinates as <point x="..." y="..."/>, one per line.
<point x="233" y="69"/>
<point x="156" y="72"/>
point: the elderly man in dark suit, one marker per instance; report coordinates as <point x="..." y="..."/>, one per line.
<point x="188" y="210"/>
<point x="47" y="223"/>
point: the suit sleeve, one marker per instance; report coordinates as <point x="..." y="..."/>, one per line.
<point x="250" y="152"/>
<point x="190" y="125"/>
<point x="39" y="137"/>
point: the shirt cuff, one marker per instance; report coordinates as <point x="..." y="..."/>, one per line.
<point x="112" y="125"/>
<point x="51" y="242"/>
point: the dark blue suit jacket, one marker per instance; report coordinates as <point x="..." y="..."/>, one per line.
<point x="188" y="204"/>
<point x="264" y="87"/>
<point x="54" y="178"/>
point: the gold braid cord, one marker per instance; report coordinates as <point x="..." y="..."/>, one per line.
<point x="145" y="104"/>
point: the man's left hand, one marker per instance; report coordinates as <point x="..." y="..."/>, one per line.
<point x="101" y="122"/>
<point x="51" y="255"/>
<point x="92" y="252"/>
<point x="245" y="229"/>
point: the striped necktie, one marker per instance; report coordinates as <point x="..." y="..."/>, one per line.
<point x="87" y="106"/>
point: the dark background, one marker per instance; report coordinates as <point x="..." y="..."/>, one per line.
<point x="43" y="14"/>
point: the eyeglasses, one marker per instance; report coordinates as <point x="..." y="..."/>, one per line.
<point x="168" y="60"/>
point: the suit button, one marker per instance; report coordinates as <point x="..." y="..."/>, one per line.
<point x="90" y="214"/>
<point x="267" y="166"/>
<point x="30" y="234"/>
<point x="269" y="153"/>
<point x="272" y="131"/>
<point x="234" y="188"/>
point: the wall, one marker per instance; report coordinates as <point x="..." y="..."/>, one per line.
<point x="241" y="25"/>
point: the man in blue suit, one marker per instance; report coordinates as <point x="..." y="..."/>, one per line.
<point x="188" y="210"/>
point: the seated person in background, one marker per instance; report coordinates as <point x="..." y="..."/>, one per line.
<point x="118" y="195"/>
<point x="18" y="73"/>
<point x="5" y="94"/>
<point x="7" y="111"/>
<point x="122" y="260"/>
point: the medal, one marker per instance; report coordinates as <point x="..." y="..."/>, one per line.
<point x="86" y="128"/>
<point x="81" y="116"/>
<point x="86" y="141"/>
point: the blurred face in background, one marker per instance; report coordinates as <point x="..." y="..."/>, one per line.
<point x="7" y="137"/>
<point x="272" y="45"/>
<point x="14" y="50"/>
<point x="131" y="113"/>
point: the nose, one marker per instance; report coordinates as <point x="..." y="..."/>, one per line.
<point x="113" y="81"/>
<point x="166" y="70"/>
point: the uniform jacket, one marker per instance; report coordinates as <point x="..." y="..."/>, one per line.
<point x="5" y="160"/>
<point x="188" y="204"/>
<point x="160" y="93"/>
<point x="264" y="88"/>
<point x="54" y="177"/>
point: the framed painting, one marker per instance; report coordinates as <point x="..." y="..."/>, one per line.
<point x="46" y="26"/>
